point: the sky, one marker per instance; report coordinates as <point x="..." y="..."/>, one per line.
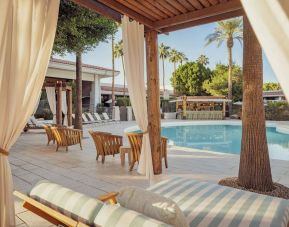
<point x="191" y="41"/>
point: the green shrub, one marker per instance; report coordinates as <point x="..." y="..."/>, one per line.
<point x="277" y="111"/>
<point x="122" y="101"/>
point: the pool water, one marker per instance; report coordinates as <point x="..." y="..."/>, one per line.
<point x="223" y="138"/>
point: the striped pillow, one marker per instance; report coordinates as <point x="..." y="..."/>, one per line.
<point x="115" y="215"/>
<point x="75" y="205"/>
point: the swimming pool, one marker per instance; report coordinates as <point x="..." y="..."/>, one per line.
<point x="223" y="138"/>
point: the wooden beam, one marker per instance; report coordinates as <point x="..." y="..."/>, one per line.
<point x="100" y="9"/>
<point x="153" y="95"/>
<point x="129" y="12"/>
<point x="59" y="103"/>
<point x="200" y="14"/>
<point x="204" y="21"/>
<point x="69" y="107"/>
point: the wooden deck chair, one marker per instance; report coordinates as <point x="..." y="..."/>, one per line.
<point x="54" y="216"/>
<point x="106" y="144"/>
<point x="135" y="140"/>
<point x="49" y="134"/>
<point x="66" y="137"/>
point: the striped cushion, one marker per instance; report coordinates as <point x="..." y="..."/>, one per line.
<point x="72" y="204"/>
<point x="207" y="204"/>
<point x="115" y="215"/>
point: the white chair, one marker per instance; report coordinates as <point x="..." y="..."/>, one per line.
<point x="106" y="117"/>
<point x="99" y="118"/>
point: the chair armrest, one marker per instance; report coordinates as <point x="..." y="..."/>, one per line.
<point x="41" y="209"/>
<point x="111" y="197"/>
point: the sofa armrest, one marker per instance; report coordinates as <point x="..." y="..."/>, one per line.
<point x="109" y="197"/>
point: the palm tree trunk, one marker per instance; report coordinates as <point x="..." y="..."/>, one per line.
<point x="230" y="92"/>
<point x="78" y="103"/>
<point x="112" y="84"/>
<point x="122" y="61"/>
<point x="174" y="66"/>
<point x="254" y="170"/>
<point x="164" y="88"/>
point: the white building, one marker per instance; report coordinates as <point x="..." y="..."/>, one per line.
<point x="91" y="75"/>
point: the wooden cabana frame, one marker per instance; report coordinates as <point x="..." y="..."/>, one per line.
<point x="59" y="87"/>
<point x="162" y="16"/>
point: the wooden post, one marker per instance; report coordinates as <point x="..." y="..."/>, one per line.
<point x="69" y="107"/>
<point x="184" y="107"/>
<point x="153" y="95"/>
<point x="224" y="109"/>
<point x="59" y="103"/>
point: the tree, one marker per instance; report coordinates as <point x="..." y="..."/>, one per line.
<point x="118" y="53"/>
<point x="79" y="30"/>
<point x="164" y="53"/>
<point x="254" y="170"/>
<point x="227" y="30"/>
<point x="182" y="57"/>
<point x="203" y="59"/>
<point x="271" y="86"/>
<point x="218" y="84"/>
<point x="188" y="79"/>
<point x="174" y="58"/>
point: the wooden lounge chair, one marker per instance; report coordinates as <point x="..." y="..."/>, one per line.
<point x="49" y="134"/>
<point x="106" y="144"/>
<point x="135" y="140"/>
<point x="66" y="137"/>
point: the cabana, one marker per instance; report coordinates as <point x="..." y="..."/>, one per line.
<point x="201" y="107"/>
<point x="27" y="31"/>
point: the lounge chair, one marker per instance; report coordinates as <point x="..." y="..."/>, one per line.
<point x="79" y="210"/>
<point x="106" y="144"/>
<point x="99" y="118"/>
<point x="66" y="137"/>
<point x="49" y="134"/>
<point x="91" y="118"/>
<point x="135" y="140"/>
<point x="106" y="117"/>
<point x="203" y="204"/>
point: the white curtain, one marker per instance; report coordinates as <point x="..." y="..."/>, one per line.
<point x="37" y="103"/>
<point x="50" y="91"/>
<point x="270" y="21"/>
<point x="64" y="107"/>
<point x="133" y="46"/>
<point x="27" y="30"/>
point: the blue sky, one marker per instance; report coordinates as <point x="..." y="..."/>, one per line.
<point x="190" y="41"/>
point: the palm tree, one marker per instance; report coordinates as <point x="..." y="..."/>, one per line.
<point x="254" y="170"/>
<point x="164" y="53"/>
<point x="227" y="30"/>
<point x="203" y="59"/>
<point x="182" y="57"/>
<point x="174" y="57"/>
<point x="118" y="53"/>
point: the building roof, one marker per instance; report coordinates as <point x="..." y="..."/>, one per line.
<point x="278" y="93"/>
<point x="166" y="16"/>
<point x="66" y="62"/>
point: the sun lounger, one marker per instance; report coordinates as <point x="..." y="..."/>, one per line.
<point x="207" y="204"/>
<point x="99" y="118"/>
<point x="106" y="117"/>
<point x="91" y="118"/>
<point x="46" y="200"/>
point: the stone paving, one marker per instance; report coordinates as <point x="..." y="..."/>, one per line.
<point x="32" y="160"/>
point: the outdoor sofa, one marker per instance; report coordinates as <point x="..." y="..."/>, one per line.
<point x="203" y="204"/>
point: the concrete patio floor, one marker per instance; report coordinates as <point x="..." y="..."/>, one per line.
<point x="32" y="160"/>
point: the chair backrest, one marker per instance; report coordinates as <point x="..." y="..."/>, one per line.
<point x="66" y="136"/>
<point x="59" y="136"/>
<point x="89" y="115"/>
<point x="84" y="118"/>
<point x="105" y="116"/>
<point x="48" y="132"/>
<point x="97" y="117"/>
<point x="135" y="140"/>
<point x="106" y="143"/>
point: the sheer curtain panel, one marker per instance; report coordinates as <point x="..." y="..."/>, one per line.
<point x="27" y="30"/>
